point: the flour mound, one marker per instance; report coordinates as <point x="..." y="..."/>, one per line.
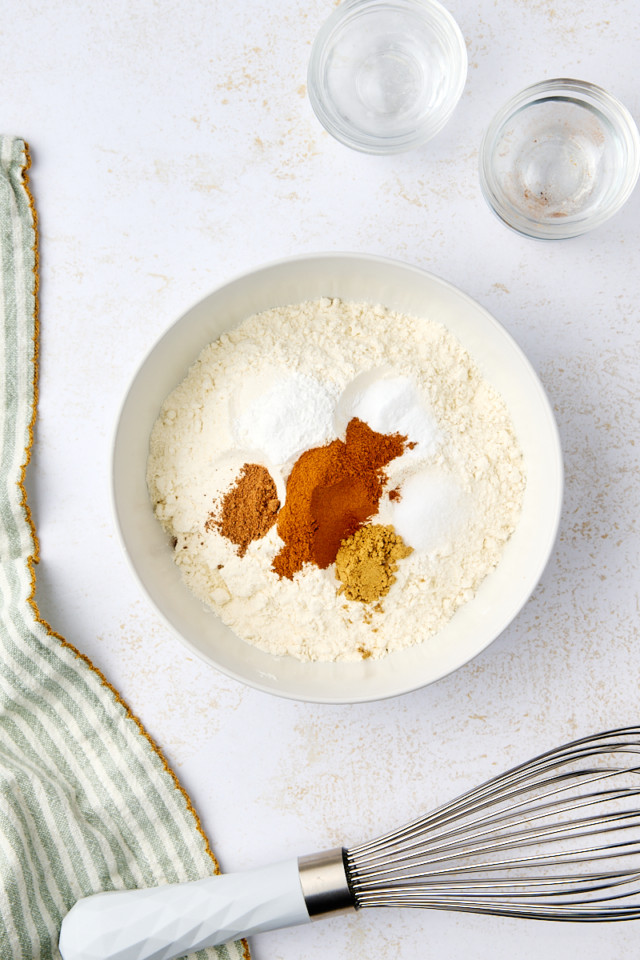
<point x="288" y="379"/>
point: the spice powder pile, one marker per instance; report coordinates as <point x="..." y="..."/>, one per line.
<point x="387" y="482"/>
<point x="249" y="509"/>
<point x="367" y="561"/>
<point x="331" y="492"/>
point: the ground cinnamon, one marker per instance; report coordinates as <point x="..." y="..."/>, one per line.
<point x="331" y="492"/>
<point x="249" y="509"/>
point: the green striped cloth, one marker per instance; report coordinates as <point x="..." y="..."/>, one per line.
<point x="87" y="803"/>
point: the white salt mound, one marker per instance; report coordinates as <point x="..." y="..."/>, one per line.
<point x="430" y="511"/>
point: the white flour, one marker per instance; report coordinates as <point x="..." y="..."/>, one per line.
<point x="460" y="488"/>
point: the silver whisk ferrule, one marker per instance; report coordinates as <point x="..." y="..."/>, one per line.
<point x="324" y="883"/>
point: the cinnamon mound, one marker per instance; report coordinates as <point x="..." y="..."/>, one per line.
<point x="331" y="492"/>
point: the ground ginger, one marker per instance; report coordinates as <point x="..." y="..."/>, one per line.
<point x="367" y="562"/>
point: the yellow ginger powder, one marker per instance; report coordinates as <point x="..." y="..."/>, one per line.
<point x="367" y="562"/>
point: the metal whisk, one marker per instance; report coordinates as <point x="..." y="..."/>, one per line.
<point x="557" y="838"/>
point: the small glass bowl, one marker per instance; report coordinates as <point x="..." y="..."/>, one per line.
<point x="559" y="159"/>
<point x="385" y="77"/>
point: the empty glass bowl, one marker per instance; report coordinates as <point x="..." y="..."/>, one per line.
<point x="386" y="76"/>
<point x="558" y="159"/>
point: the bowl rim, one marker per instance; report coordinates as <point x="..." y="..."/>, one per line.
<point x="582" y="92"/>
<point x="395" y="688"/>
<point x="368" y="143"/>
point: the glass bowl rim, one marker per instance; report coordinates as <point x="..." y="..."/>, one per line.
<point x="585" y="93"/>
<point x="369" y="143"/>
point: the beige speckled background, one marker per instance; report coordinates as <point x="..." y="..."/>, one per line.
<point x="173" y="145"/>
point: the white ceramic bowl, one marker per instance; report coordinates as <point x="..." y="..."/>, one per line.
<point x="402" y="288"/>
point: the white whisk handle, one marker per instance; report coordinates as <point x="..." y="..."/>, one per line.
<point x="170" y="921"/>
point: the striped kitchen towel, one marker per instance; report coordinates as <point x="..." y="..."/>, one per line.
<point x="87" y="802"/>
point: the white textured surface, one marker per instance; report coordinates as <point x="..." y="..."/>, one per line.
<point x="173" y="146"/>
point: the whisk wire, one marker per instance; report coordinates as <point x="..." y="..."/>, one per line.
<point x="470" y="802"/>
<point x="517" y="844"/>
<point x="507" y="840"/>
